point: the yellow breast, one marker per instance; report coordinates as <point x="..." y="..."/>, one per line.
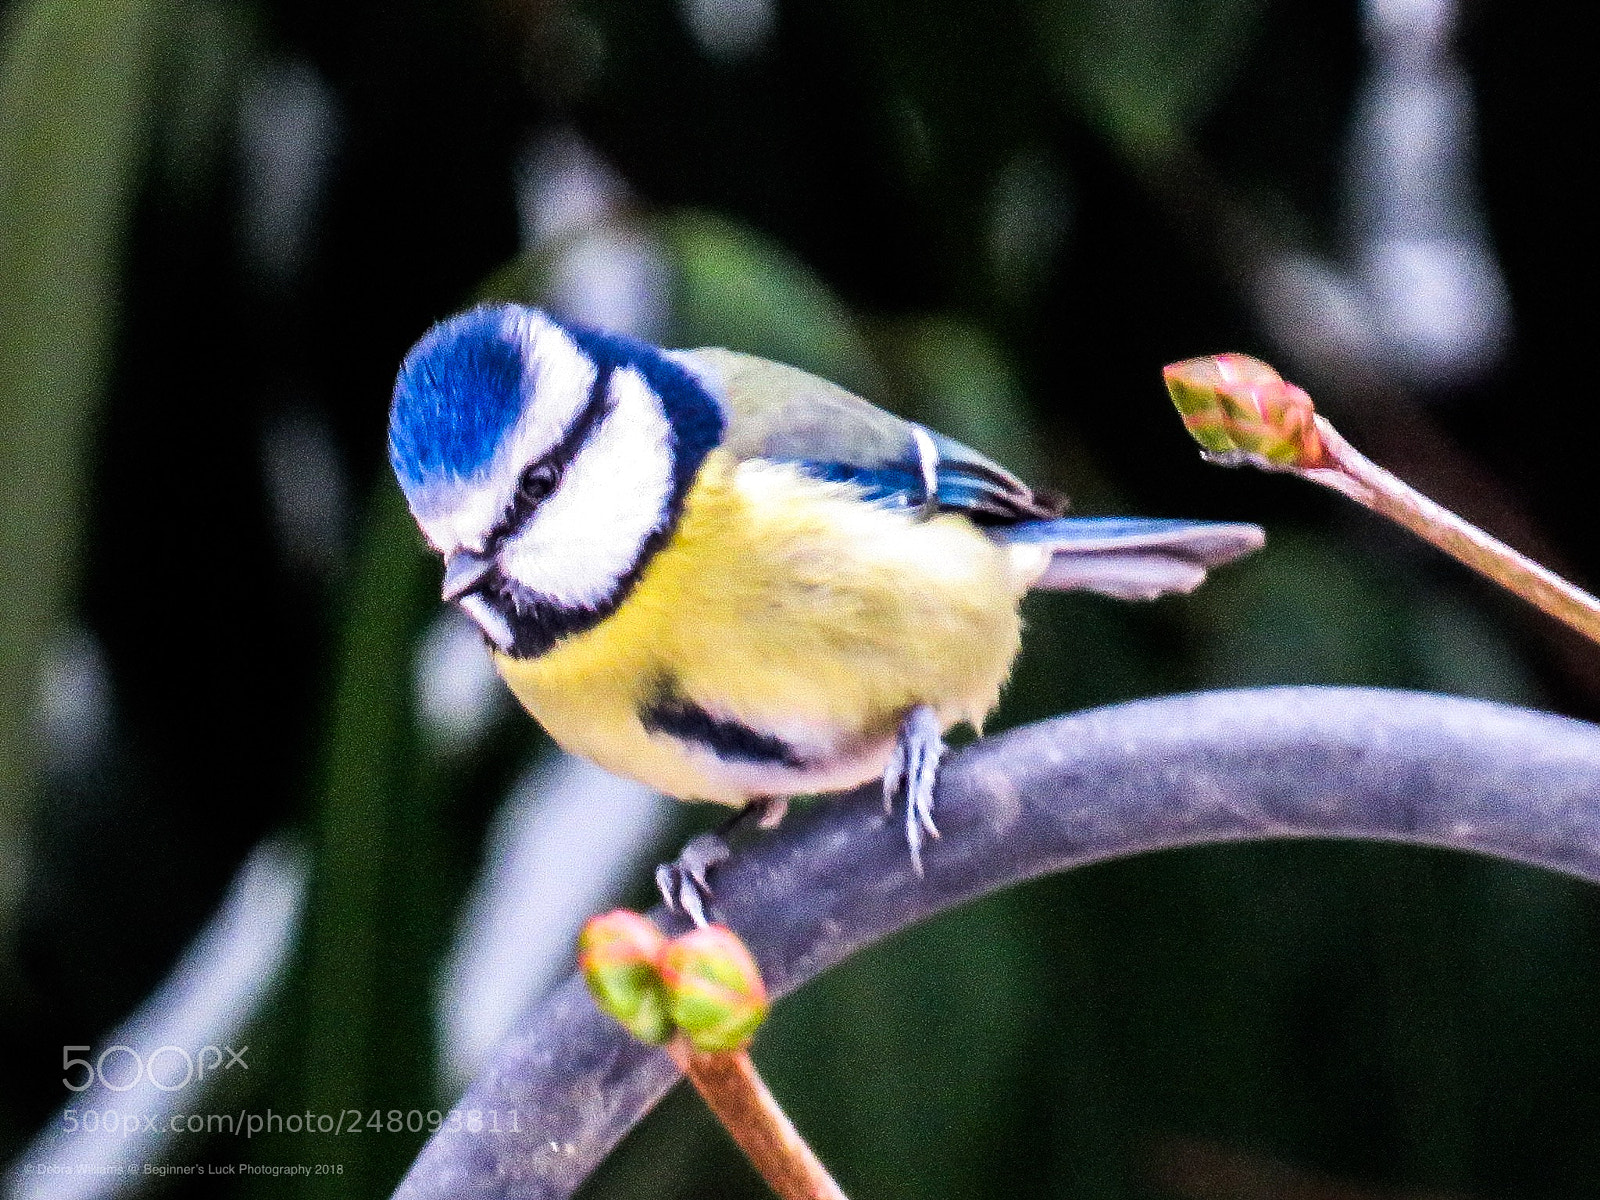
<point x="788" y="605"/>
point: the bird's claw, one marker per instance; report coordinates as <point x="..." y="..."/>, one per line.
<point x="683" y="883"/>
<point x="912" y="771"/>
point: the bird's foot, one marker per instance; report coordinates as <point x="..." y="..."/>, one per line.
<point x="684" y="882"/>
<point x="912" y="771"/>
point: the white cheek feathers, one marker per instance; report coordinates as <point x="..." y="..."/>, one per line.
<point x="557" y="379"/>
<point x="590" y="535"/>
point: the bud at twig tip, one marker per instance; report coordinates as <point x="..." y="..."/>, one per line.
<point x="714" y="988"/>
<point x="1240" y="409"/>
<point x="619" y="953"/>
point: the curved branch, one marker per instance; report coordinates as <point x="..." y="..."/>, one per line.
<point x="1181" y="771"/>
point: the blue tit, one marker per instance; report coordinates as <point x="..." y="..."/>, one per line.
<point x="730" y="579"/>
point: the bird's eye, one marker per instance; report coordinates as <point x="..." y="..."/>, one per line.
<point x="538" y="481"/>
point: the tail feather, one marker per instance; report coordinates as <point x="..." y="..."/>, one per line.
<point x="1131" y="558"/>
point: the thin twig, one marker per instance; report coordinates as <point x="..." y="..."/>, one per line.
<point x="727" y="1081"/>
<point x="1364" y="481"/>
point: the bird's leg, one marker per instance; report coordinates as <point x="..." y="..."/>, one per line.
<point x="913" y="768"/>
<point x="769" y="811"/>
<point x="683" y="882"/>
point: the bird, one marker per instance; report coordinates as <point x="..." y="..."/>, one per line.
<point x="733" y="580"/>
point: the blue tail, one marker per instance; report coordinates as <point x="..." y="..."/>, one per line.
<point x="1131" y="558"/>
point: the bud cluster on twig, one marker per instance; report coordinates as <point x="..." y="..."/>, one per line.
<point x="701" y="997"/>
<point x="704" y="984"/>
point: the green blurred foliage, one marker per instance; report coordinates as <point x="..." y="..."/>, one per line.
<point x="946" y="205"/>
<point x="1148" y="70"/>
<point x="380" y="899"/>
<point x="75" y="105"/>
<point x="735" y="288"/>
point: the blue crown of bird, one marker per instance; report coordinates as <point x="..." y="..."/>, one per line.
<point x="730" y="579"/>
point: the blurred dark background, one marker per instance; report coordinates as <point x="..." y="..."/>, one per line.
<point x="255" y="788"/>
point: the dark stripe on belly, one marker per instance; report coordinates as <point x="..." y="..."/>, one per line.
<point x="688" y="722"/>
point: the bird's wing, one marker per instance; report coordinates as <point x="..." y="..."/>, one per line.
<point x="1131" y="558"/>
<point x="787" y="415"/>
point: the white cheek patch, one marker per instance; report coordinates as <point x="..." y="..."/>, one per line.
<point x="557" y="378"/>
<point x="586" y="538"/>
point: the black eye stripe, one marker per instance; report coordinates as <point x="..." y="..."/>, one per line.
<point x="554" y="464"/>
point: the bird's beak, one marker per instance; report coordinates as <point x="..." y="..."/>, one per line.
<point x="463" y="571"/>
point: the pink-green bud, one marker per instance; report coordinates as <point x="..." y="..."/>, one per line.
<point x="714" y="988"/>
<point x="618" y="954"/>
<point x="1235" y="405"/>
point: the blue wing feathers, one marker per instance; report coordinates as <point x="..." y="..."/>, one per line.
<point x="1110" y="533"/>
<point x="967" y="484"/>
